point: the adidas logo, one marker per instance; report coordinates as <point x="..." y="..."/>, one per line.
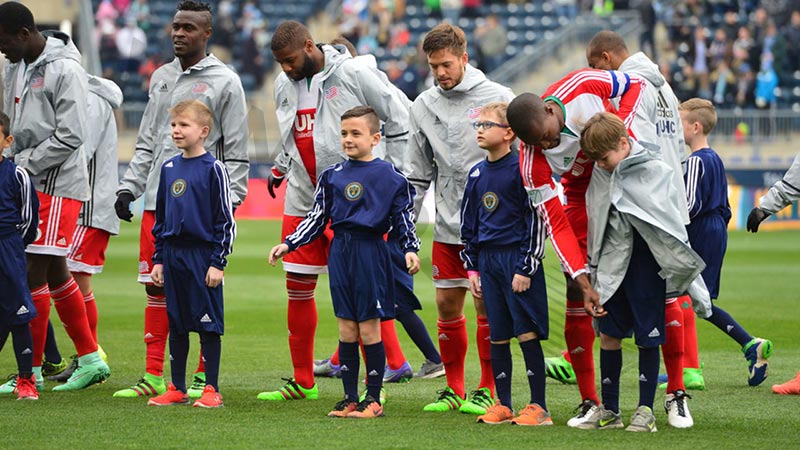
<point x="164" y="87"/>
<point x="79" y="257"/>
<point x="530" y="373"/>
<point x="169" y="164"/>
<point x="606" y="380"/>
<point x="205" y="318"/>
<point x="373" y="373"/>
<point x="475" y="173"/>
<point x="642" y="378"/>
<point x="729" y="328"/>
<point x="344" y="368"/>
<point x="577" y="350"/>
<point x="170" y="357"/>
<point x="437" y="121"/>
<point x="654" y="333"/>
<point x="22" y="310"/>
<point x="674" y="323"/>
<point x="27" y="351"/>
<point x="149" y="336"/>
<point x="62" y="241"/>
<point x="443" y="337"/>
<point x="284" y="102"/>
<point x="501" y="376"/>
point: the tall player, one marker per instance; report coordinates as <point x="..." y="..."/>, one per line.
<point x="442" y="147"/>
<point x="318" y="83"/>
<point x="550" y="128"/>
<point x="45" y="97"/>
<point x="193" y="74"/>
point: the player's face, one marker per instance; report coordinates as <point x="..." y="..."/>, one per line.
<point x="5" y="140"/>
<point x="357" y="141"/>
<point x="611" y="159"/>
<point x="447" y="68"/>
<point x="601" y="61"/>
<point x="296" y="63"/>
<point x="190" y="33"/>
<point x="13" y="45"/>
<point x="492" y="132"/>
<point x="551" y="133"/>
<point x="187" y="132"/>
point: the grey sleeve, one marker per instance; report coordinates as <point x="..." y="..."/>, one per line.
<point x="233" y="119"/>
<point x="135" y="178"/>
<point x="391" y="109"/>
<point x="418" y="163"/>
<point x="785" y="191"/>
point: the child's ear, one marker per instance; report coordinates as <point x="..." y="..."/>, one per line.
<point x="205" y="132"/>
<point x="8" y="141"/>
<point x="376" y="138"/>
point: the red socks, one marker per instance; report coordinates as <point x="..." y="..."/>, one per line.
<point x="156" y="330"/>
<point x="394" y="353"/>
<point x="72" y="312"/>
<point x="690" y="358"/>
<point x="579" y="336"/>
<point x="302" y="322"/>
<point x="672" y="349"/>
<point x="41" y="300"/>
<point x="453" y="347"/>
<point x="91" y="313"/>
<point x="483" y="339"/>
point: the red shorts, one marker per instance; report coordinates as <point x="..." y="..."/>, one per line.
<point x="311" y="258"/>
<point x="88" y="252"/>
<point x="58" y="217"/>
<point x="578" y="220"/>
<point x="147" y="246"/>
<point x="448" y="269"/>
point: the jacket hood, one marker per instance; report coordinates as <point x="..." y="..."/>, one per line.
<point x="367" y="60"/>
<point x="472" y="78"/>
<point x="107" y="90"/>
<point x="642" y="66"/>
<point x="334" y="57"/>
<point x="58" y="46"/>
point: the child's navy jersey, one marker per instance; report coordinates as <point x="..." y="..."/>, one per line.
<point x="706" y="186"/>
<point x="496" y="212"/>
<point x="193" y="205"/>
<point x="362" y="197"/>
<point x="19" y="204"/>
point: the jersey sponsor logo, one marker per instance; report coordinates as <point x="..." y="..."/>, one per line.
<point x="303" y="125"/>
<point x="178" y="187"/>
<point x="331" y="93"/>
<point x="474" y="113"/>
<point x="199" y="88"/>
<point x="37" y="82"/>
<point x="205" y="318"/>
<point x="353" y="191"/>
<point x="22" y="310"/>
<point x="164" y="87"/>
<point x="579" y="168"/>
<point x="490" y="201"/>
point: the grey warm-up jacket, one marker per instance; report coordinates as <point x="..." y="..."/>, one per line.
<point x="785" y="191"/>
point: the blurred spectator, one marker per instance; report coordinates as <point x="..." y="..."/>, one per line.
<point x="122" y="6"/>
<point x="435" y="6"/>
<point x="252" y="18"/>
<point x="766" y="82"/>
<point x="131" y="45"/>
<point x="472" y="8"/>
<point x="147" y="68"/>
<point x="647" y="14"/>
<point x="404" y="77"/>
<point x="700" y="64"/>
<point x="107" y="46"/>
<point x="253" y="61"/>
<point x="731" y="25"/>
<point x="106" y="12"/>
<point x="224" y="26"/>
<point x="492" y="41"/>
<point x="720" y="49"/>
<point x="451" y="10"/>
<point x="792" y="34"/>
<point x="569" y="8"/>
<point x="400" y="36"/>
<point x="723" y="79"/>
<point x="140" y="12"/>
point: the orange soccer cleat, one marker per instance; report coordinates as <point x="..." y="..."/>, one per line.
<point x="496" y="414"/>
<point x="210" y="398"/>
<point x="172" y="397"/>
<point x="533" y="415"/>
<point x="791" y="387"/>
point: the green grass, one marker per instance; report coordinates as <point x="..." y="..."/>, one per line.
<point x="758" y="288"/>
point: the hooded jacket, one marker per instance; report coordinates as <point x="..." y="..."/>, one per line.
<point x="214" y="84"/>
<point x="657" y="120"/>
<point x="443" y="146"/>
<point x="785" y="191"/>
<point x="639" y="194"/>
<point x="344" y="84"/>
<point x="101" y="150"/>
<point x="50" y="128"/>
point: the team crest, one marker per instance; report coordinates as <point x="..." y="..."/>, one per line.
<point x="490" y="201"/>
<point x="353" y="191"/>
<point x="178" y="187"/>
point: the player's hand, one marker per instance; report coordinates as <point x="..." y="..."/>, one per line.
<point x="412" y="263"/>
<point x="591" y="299"/>
<point x="274" y="180"/>
<point x="475" y="284"/>
<point x="520" y="283"/>
<point x="214" y="277"/>
<point x="157" y="275"/>
<point x="277" y="253"/>
<point x="123" y="206"/>
<point x="757" y="215"/>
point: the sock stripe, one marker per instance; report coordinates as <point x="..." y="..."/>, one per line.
<point x="452" y="322"/>
<point x="66" y="290"/>
<point x="88" y="297"/>
<point x="41" y="290"/>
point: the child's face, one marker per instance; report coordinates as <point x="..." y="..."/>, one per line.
<point x="492" y="132"/>
<point x="612" y="158"/>
<point x="357" y="140"/>
<point x="187" y="132"/>
<point x="688" y="127"/>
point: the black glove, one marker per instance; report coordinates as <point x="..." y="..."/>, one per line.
<point x="123" y="206"/>
<point x="274" y="180"/>
<point x="757" y="215"/>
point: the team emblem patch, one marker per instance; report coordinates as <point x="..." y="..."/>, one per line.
<point x="37" y="82"/>
<point x="178" y="187"/>
<point x="331" y="93"/>
<point x="199" y="88"/>
<point x="353" y="191"/>
<point x="490" y="201"/>
<point x="474" y="113"/>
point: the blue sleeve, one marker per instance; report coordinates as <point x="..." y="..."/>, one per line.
<point x="28" y="206"/>
<point x="222" y="208"/>
<point x="532" y="247"/>
<point x="313" y="225"/>
<point x="158" y="226"/>
<point x="402" y="215"/>
<point x="694" y="189"/>
<point x="469" y="226"/>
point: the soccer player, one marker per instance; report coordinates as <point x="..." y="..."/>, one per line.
<point x="442" y="147"/>
<point x="550" y="127"/>
<point x="193" y="74"/>
<point x="503" y="248"/>
<point x="638" y="246"/>
<point x="194" y="232"/>
<point x="780" y="195"/>
<point x="362" y="197"/>
<point x="19" y="214"/>
<point x="318" y="83"/>
<point x="707" y="190"/>
<point x="47" y="89"/>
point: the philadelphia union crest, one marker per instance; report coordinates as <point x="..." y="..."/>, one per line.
<point x="353" y="191"/>
<point x="178" y="187"/>
<point x="490" y="201"/>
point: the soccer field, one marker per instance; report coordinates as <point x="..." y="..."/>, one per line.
<point x="758" y="288"/>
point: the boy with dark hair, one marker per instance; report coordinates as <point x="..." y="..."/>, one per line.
<point x="19" y="215"/>
<point x="194" y="232"/>
<point x="637" y="246"/>
<point x="363" y="198"/>
<point x="503" y="248"/>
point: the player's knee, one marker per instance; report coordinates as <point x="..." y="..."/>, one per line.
<point x="503" y="342"/>
<point x="154" y="290"/>
<point x="609" y="342"/>
<point x="525" y="337"/>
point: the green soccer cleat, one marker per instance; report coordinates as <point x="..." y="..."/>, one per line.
<point x="91" y="370"/>
<point x="756" y="352"/>
<point x="148" y="385"/>
<point x="102" y="353"/>
<point x="67" y="372"/>
<point x="382" y="396"/>
<point x="481" y="401"/>
<point x="198" y="384"/>
<point x="448" y="401"/>
<point x="692" y="379"/>
<point x="291" y="391"/>
<point x="10" y="386"/>
<point x="51" y="369"/>
<point x="558" y="368"/>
